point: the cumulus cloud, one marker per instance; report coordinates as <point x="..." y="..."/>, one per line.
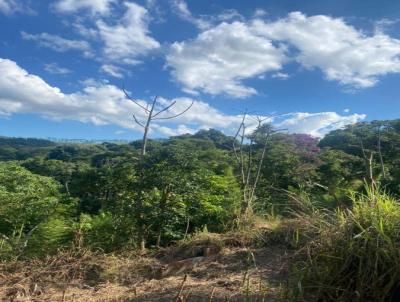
<point x="125" y="39"/>
<point x="58" y="43"/>
<point x="129" y="38"/>
<point x="342" y="52"/>
<point x="181" y="129"/>
<point x="100" y="103"/>
<point x="219" y="59"/>
<point x="97" y="103"/>
<point x="94" y="6"/>
<point x="317" y="124"/>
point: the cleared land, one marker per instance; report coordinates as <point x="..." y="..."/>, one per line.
<point x="233" y="272"/>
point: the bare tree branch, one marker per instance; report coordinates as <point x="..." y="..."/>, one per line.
<point x="380" y="153"/>
<point x="150" y="116"/>
<point x="237" y="135"/>
<point x="248" y="181"/>
<point x="174" y="116"/>
<point x="137" y="121"/>
<point x="260" y="166"/>
<point x="134" y="101"/>
<point x="241" y="153"/>
<point x="164" y="109"/>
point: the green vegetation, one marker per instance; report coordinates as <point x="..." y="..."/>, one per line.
<point x="333" y="203"/>
<point x="354" y="256"/>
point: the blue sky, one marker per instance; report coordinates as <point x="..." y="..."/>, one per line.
<point x="311" y="65"/>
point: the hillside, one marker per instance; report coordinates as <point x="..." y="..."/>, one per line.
<point x="233" y="273"/>
<point x="203" y="217"/>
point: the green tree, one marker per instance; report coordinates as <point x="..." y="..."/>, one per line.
<point x="27" y="201"/>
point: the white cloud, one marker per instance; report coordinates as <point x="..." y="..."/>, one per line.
<point x="181" y="129"/>
<point x="382" y="25"/>
<point x="58" y="43"/>
<point x="281" y="75"/>
<point x="317" y="124"/>
<point x="129" y="38"/>
<point x="94" y="6"/>
<point x="219" y="59"/>
<point x="54" y="68"/>
<point x="342" y="52"/>
<point x="100" y="103"/>
<point x="259" y="12"/>
<point x="203" y="22"/>
<point x="228" y="15"/>
<point x="112" y="70"/>
<point x="181" y="8"/>
<point x="158" y="14"/>
<point x="124" y="38"/>
<point x="97" y="103"/>
<point x="9" y="7"/>
<point x="200" y="114"/>
<point x="85" y="31"/>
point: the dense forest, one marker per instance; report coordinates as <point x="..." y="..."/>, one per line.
<point x="334" y="198"/>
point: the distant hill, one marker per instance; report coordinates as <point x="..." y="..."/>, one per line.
<point x="13" y="148"/>
<point x="201" y="139"/>
<point x="25" y="142"/>
<point x="87" y="141"/>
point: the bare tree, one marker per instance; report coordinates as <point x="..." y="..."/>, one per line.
<point x="368" y="157"/>
<point x="249" y="168"/>
<point x="152" y="112"/>
<point x="379" y="129"/>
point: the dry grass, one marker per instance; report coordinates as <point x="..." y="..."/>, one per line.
<point x="350" y="254"/>
<point x="237" y="272"/>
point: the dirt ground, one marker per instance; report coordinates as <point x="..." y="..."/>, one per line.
<point x="234" y="274"/>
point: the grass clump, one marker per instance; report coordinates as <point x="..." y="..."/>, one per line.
<point x="356" y="254"/>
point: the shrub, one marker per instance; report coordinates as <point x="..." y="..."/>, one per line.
<point x="50" y="236"/>
<point x="355" y="256"/>
<point x="104" y="232"/>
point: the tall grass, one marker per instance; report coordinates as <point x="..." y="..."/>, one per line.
<point x="354" y="256"/>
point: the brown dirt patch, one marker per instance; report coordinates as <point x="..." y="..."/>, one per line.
<point x="235" y="274"/>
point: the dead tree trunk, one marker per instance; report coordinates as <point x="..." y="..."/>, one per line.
<point x="247" y="167"/>
<point x="380" y="153"/>
<point x="369" y="172"/>
<point x="152" y="113"/>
